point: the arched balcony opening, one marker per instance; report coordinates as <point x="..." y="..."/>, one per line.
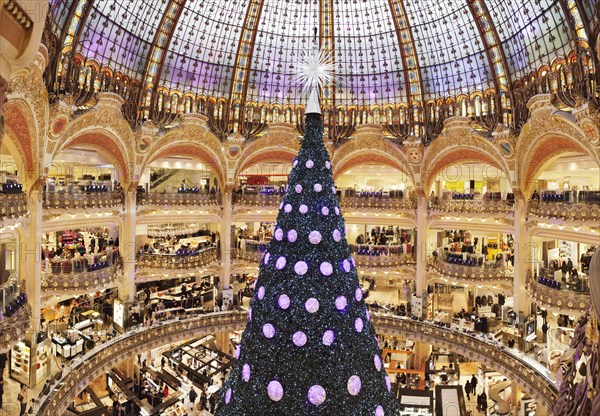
<point x="13" y="203"/>
<point x="178" y="180"/>
<point x="83" y="177"/>
<point x="470" y="187"/>
<point x="566" y="188"/>
<point x="263" y="183"/>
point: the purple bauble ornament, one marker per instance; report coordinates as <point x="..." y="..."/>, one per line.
<point x="354" y="385"/>
<point x="316" y="395"/>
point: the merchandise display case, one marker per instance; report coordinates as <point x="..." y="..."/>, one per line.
<point x="20" y="360"/>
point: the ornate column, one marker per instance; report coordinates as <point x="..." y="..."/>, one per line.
<point x="421" y="243"/>
<point x="225" y="242"/>
<point x="31" y="264"/>
<point x="522" y="259"/>
<point x="3" y="94"/>
<point x="127" y="244"/>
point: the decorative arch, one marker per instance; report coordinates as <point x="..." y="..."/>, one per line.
<point x="456" y="155"/>
<point x="280" y="144"/>
<point x="268" y="155"/>
<point x="19" y="134"/>
<point x="543" y="152"/>
<point x="370" y="147"/>
<point x="370" y="156"/>
<point x="105" y="142"/>
<point x="189" y="141"/>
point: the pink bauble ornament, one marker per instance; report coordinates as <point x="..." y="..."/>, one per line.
<point x="326" y="268"/>
<point x="303" y="209"/>
<point x="325" y="211"/>
<point x="318" y="187"/>
<point x="228" y="396"/>
<point x="301" y="268"/>
<point x="261" y="293"/>
<point x="309" y="164"/>
<point x="279" y="234"/>
<point x="358" y="294"/>
<point x="379" y="411"/>
<point x="328" y="164"/>
<point x="268" y="331"/>
<point x="280" y="263"/>
<point x="354" y="384"/>
<point x="283" y="301"/>
<point x="246" y="372"/>
<point x="275" y="390"/>
<point x="312" y="305"/>
<point x="341" y="303"/>
<point x="287" y="208"/>
<point x="328" y="337"/>
<point x="337" y="236"/>
<point x="316" y="395"/>
<point x="292" y="236"/>
<point x="314" y="237"/>
<point x="298" y="188"/>
<point x="358" y="324"/>
<point x="299" y="339"/>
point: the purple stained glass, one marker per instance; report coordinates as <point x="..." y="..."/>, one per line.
<point x="261" y="293"/>
<point x="379" y="411"/>
<point x="337" y="236"/>
<point x="299" y="339"/>
<point x="377" y="361"/>
<point x="280" y="263"/>
<point x="341" y="303"/>
<point x="358" y="325"/>
<point x="292" y="236"/>
<point x="287" y="208"/>
<point x="301" y="268"/>
<point x="284" y="301"/>
<point x="358" y="294"/>
<point x="275" y="390"/>
<point x="312" y="305"/>
<point x="314" y="237"/>
<point x="246" y="372"/>
<point x="268" y="330"/>
<point x="318" y="187"/>
<point x="354" y="385"/>
<point x="316" y="395"/>
<point x="309" y="164"/>
<point x="325" y="211"/>
<point x="228" y="396"/>
<point x="326" y="268"/>
<point x="279" y="234"/>
<point x="328" y="337"/>
<point x="298" y="188"/>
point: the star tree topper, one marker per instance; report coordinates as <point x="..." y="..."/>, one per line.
<point x="315" y="69"/>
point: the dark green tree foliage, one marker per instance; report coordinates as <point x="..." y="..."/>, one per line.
<point x="309" y="347"/>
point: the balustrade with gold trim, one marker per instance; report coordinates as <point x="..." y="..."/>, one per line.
<point x="13" y="206"/>
<point x="480" y="273"/>
<point x="178" y="199"/>
<point x="82" y="200"/>
<point x="16" y="313"/>
<point x="478" y="206"/>
<point x="557" y="299"/>
<point x="176" y="262"/>
<point x="580" y="211"/>
<point x="67" y="277"/>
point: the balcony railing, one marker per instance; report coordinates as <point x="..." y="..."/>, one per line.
<point x="560" y="299"/>
<point x="81" y="371"/>
<point x="76" y="274"/>
<point x="567" y="211"/>
<point x="376" y="202"/>
<point x="178" y="199"/>
<point x="13" y="206"/>
<point x="257" y="200"/>
<point x="15" y="314"/>
<point x="252" y="256"/>
<point x="196" y="259"/>
<point x="487" y="271"/>
<point x="478" y="206"/>
<point x="82" y="200"/>
<point x="377" y="256"/>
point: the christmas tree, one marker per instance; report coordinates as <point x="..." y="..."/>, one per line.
<point x="309" y="347"/>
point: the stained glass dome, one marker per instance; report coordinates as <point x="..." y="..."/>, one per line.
<point x="399" y="52"/>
